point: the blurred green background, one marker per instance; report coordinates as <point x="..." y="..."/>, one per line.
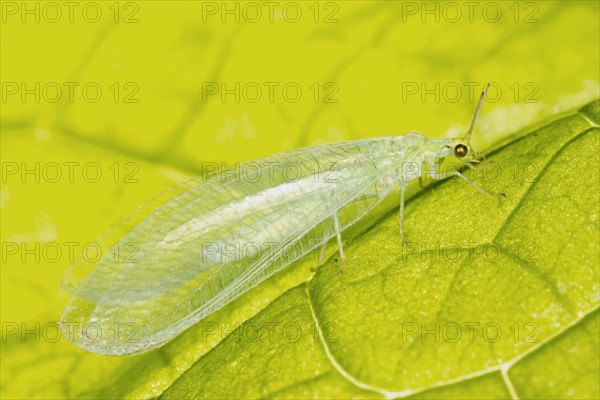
<point x="106" y="104"/>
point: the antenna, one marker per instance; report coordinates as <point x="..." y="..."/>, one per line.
<point x="481" y="100"/>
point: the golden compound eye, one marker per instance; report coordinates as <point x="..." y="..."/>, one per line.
<point x="460" y="150"/>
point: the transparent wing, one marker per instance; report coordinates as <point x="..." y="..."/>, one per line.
<point x="203" y="244"/>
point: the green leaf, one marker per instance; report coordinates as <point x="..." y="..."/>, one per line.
<point x="489" y="296"/>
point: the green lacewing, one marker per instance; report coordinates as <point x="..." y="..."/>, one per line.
<point x="204" y="243"/>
